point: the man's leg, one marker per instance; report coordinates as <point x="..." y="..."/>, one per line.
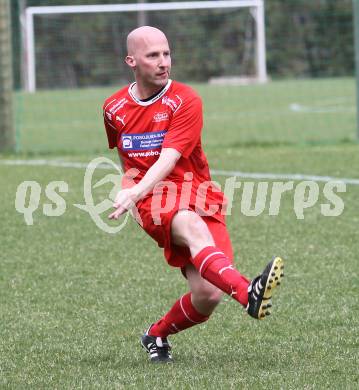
<point x="189" y="229"/>
<point x="204" y="295"/>
<point x="191" y="309"/>
<point x="211" y="273"/>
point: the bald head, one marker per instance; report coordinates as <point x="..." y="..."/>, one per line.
<point x="143" y="37"/>
<point x="149" y="56"/>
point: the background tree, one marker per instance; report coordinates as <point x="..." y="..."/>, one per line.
<point x="305" y="38"/>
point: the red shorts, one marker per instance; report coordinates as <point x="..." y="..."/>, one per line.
<point x="178" y="256"/>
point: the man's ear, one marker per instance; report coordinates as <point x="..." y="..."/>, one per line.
<point x="130" y="61"/>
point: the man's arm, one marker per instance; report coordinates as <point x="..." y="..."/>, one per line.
<point x="121" y="161"/>
<point x="126" y="198"/>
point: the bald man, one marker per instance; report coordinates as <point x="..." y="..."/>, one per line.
<point x="155" y="123"/>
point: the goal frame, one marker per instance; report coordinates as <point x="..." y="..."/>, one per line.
<point x="256" y="9"/>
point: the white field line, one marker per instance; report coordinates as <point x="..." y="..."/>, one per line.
<point x="296" y="107"/>
<point x="215" y="172"/>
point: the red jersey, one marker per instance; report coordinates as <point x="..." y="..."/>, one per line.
<point x="171" y="119"/>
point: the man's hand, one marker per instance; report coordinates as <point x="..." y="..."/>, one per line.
<point x="127" y="198"/>
<point x="124" y="201"/>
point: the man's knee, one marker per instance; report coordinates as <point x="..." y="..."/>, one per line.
<point x="188" y="226"/>
<point x="207" y="295"/>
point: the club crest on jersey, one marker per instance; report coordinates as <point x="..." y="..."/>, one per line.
<point x="160" y="117"/>
<point x="143" y="141"/>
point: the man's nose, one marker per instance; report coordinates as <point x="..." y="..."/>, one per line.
<point x="164" y="61"/>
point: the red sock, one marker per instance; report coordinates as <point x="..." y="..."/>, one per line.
<point x="215" y="267"/>
<point x="181" y="316"/>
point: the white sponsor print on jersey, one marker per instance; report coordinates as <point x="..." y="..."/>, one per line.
<point x="160" y="117"/>
<point x="149" y="153"/>
<point x="170" y="103"/>
<point x="117" y="106"/>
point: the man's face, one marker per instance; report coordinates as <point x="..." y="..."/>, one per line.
<point x="151" y="61"/>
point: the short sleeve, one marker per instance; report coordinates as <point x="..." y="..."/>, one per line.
<point x="111" y="133"/>
<point x="185" y="127"/>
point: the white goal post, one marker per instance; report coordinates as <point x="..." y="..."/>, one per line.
<point x="256" y="8"/>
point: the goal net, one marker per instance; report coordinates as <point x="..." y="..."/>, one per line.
<point x="81" y="46"/>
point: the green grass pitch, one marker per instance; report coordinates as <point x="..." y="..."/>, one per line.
<point x="75" y="300"/>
